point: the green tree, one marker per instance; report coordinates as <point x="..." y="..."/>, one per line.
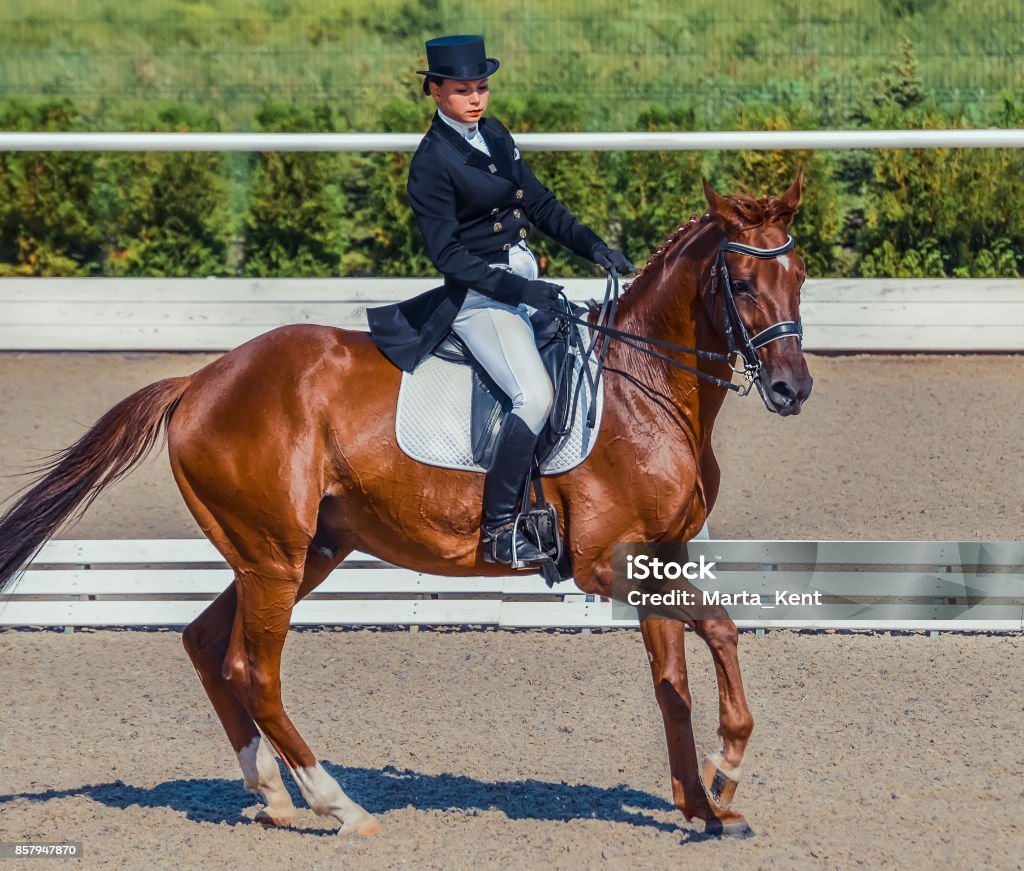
<point x="935" y="212"/>
<point x="655" y="191"/>
<point x="944" y="212"/>
<point x="384" y="238"/>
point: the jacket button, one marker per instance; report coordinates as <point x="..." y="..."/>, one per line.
<point x="495" y="211"/>
<point x="506" y="246"/>
<point x="517" y="213"/>
<point x="522" y="233"/>
<point x="519" y="194"/>
<point x="497" y="227"/>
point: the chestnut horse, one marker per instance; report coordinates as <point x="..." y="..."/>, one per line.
<point x="285" y="452"/>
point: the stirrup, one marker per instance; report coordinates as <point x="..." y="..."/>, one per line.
<point x="522" y="553"/>
<point x="540" y="523"/>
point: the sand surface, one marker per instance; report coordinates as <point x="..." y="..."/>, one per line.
<point x="539" y="749"/>
<point x="887" y="447"/>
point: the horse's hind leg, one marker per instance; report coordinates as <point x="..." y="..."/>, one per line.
<point x="206" y="641"/>
<point x="266" y="595"/>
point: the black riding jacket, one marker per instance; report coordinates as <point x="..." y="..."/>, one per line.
<point x="471" y="209"/>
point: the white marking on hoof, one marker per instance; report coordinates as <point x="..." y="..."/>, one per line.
<point x="262" y="776"/>
<point x="326" y="798"/>
<point x="279" y="818"/>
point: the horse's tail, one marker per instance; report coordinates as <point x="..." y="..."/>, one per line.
<point x="75" y="476"/>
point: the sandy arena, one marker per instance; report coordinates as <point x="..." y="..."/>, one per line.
<point x="546" y="749"/>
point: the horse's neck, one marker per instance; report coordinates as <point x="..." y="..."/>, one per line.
<point x="666" y="303"/>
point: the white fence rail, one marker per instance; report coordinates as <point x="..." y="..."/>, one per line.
<point x="865" y="584"/>
<point x="761" y="140"/>
<point x="182" y="314"/>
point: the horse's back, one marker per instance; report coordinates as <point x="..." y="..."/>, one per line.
<point x="297" y="346"/>
<point x="296" y="355"/>
<point x="280" y="387"/>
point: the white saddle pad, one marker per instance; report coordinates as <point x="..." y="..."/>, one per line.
<point x="433" y="421"/>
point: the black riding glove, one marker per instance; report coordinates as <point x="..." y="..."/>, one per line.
<point x="541" y="294"/>
<point x="609" y="258"/>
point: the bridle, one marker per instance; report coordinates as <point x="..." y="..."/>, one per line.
<point x="740" y="342"/>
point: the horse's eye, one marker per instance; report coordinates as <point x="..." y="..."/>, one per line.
<point x="743" y="287"/>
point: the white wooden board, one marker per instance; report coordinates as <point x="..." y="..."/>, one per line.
<point x="94" y="314"/>
<point x="155" y="583"/>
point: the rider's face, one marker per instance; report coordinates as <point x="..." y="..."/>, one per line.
<point x="465" y="102"/>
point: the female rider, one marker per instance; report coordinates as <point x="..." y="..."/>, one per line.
<point x="474" y="199"/>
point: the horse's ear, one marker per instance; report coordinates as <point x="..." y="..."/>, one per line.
<point x="791" y="198"/>
<point x="719" y="206"/>
<point x="716" y="202"/>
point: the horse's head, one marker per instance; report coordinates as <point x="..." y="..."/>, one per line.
<point x="754" y="293"/>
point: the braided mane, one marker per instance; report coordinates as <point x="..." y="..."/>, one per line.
<point x="674" y="237"/>
<point x="749" y="211"/>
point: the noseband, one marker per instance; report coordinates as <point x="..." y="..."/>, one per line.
<point x="740" y="341"/>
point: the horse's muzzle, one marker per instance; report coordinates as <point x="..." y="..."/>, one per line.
<point x="785" y="393"/>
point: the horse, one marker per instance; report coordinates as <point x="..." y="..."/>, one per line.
<point x="285" y="453"/>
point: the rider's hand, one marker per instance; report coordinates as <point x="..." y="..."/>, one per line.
<point x="541" y="294"/>
<point x="609" y="258"/>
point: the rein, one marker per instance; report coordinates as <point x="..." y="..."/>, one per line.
<point x="740" y="341"/>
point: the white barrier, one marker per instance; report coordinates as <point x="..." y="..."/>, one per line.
<point x="168" y="582"/>
<point x="755" y="140"/>
<point x="184" y="314"/>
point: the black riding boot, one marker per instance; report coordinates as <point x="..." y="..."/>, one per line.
<point x="512" y="457"/>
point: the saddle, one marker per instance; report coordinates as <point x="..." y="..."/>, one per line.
<point x="489" y="403"/>
<point x="449" y="413"/>
<point x="488" y="407"/>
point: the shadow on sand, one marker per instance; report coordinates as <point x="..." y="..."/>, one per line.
<point x="387" y="789"/>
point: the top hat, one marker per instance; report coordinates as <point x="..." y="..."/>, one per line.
<point x="458" y="57"/>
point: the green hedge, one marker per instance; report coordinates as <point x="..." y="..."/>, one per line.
<point x="49" y="201"/>
<point x="166" y="213"/>
<point x="926" y="212"/>
<point x="295" y="222"/>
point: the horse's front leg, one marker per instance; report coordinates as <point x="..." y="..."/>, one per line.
<point x="664" y="642"/>
<point x="721" y="771"/>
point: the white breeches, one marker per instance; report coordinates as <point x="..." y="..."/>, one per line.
<point x="500" y="336"/>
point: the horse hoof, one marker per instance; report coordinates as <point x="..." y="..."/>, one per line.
<point x="367" y="827"/>
<point x="279" y="817"/>
<point x="739" y="829"/>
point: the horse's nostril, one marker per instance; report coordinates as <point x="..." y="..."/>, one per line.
<point x="782" y="388"/>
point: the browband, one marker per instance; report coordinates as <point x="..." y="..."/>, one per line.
<point x="760" y="253"/>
